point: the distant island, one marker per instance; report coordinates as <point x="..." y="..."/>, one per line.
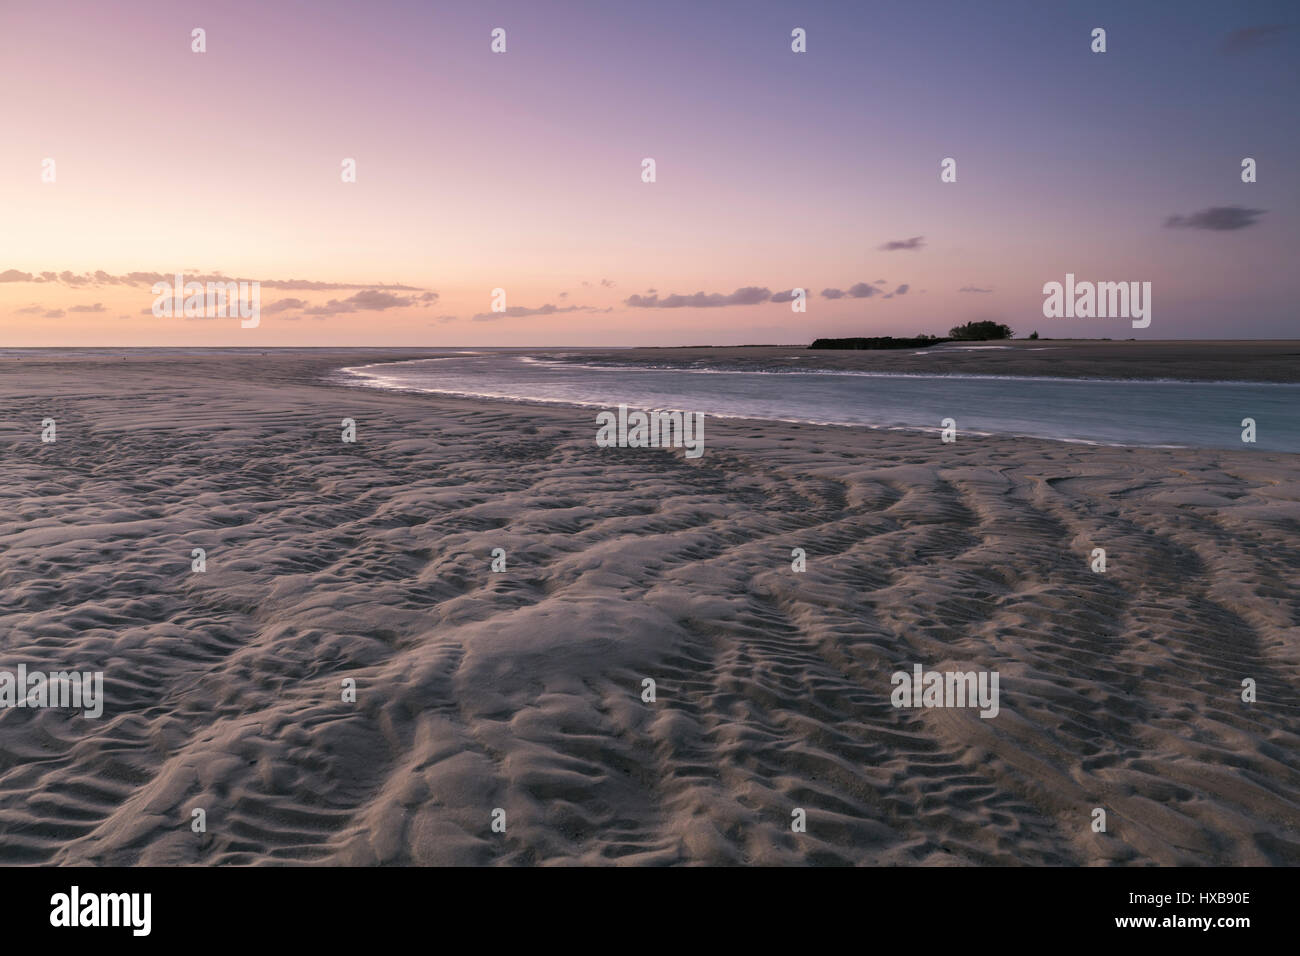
<point x="881" y="342"/>
<point x="970" y="332"/>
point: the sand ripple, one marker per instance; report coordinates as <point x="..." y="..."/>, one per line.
<point x="521" y="690"/>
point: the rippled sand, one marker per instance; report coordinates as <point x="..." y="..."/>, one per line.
<point x="522" y="690"/>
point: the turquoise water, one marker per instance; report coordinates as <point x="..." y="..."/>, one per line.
<point x="1152" y="413"/>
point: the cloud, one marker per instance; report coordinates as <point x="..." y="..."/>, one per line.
<point x="1216" y="218"/>
<point x="859" y="290"/>
<point x="518" y="311"/>
<point x="54" y="314"/>
<point x="304" y="285"/>
<point x="367" y="300"/>
<point x="902" y="289"/>
<point x="100" y="277"/>
<point x="749" y="295"/>
<point x="607" y="283"/>
<point x="1254" y="38"/>
<point x="971" y="288"/>
<point x="176" y="304"/>
<point x="444" y="319"/>
<point x="97" y="307"/>
<point x="144" y="278"/>
<point x="31" y="310"/>
<point x="284" y="305"/>
<point x="786" y="296"/>
<point x="564" y="295"/>
<point x="916" y="242"/>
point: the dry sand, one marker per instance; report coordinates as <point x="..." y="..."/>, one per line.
<point x="522" y="690"/>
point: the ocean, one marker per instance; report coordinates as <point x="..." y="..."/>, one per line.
<point x="1112" y="412"/>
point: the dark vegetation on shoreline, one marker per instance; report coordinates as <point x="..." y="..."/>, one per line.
<point x="880" y="342"/>
<point x="970" y="332"/>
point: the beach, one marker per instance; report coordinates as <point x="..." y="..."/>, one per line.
<point x="523" y="690"/>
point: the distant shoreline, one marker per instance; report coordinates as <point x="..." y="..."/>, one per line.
<point x="1207" y="360"/>
<point x="1193" y="361"/>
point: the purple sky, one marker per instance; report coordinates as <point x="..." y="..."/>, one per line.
<point x="523" y="171"/>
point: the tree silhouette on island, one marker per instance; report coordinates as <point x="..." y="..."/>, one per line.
<point x="970" y="332"/>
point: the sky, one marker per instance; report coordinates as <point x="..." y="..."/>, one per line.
<point x="523" y="171"/>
